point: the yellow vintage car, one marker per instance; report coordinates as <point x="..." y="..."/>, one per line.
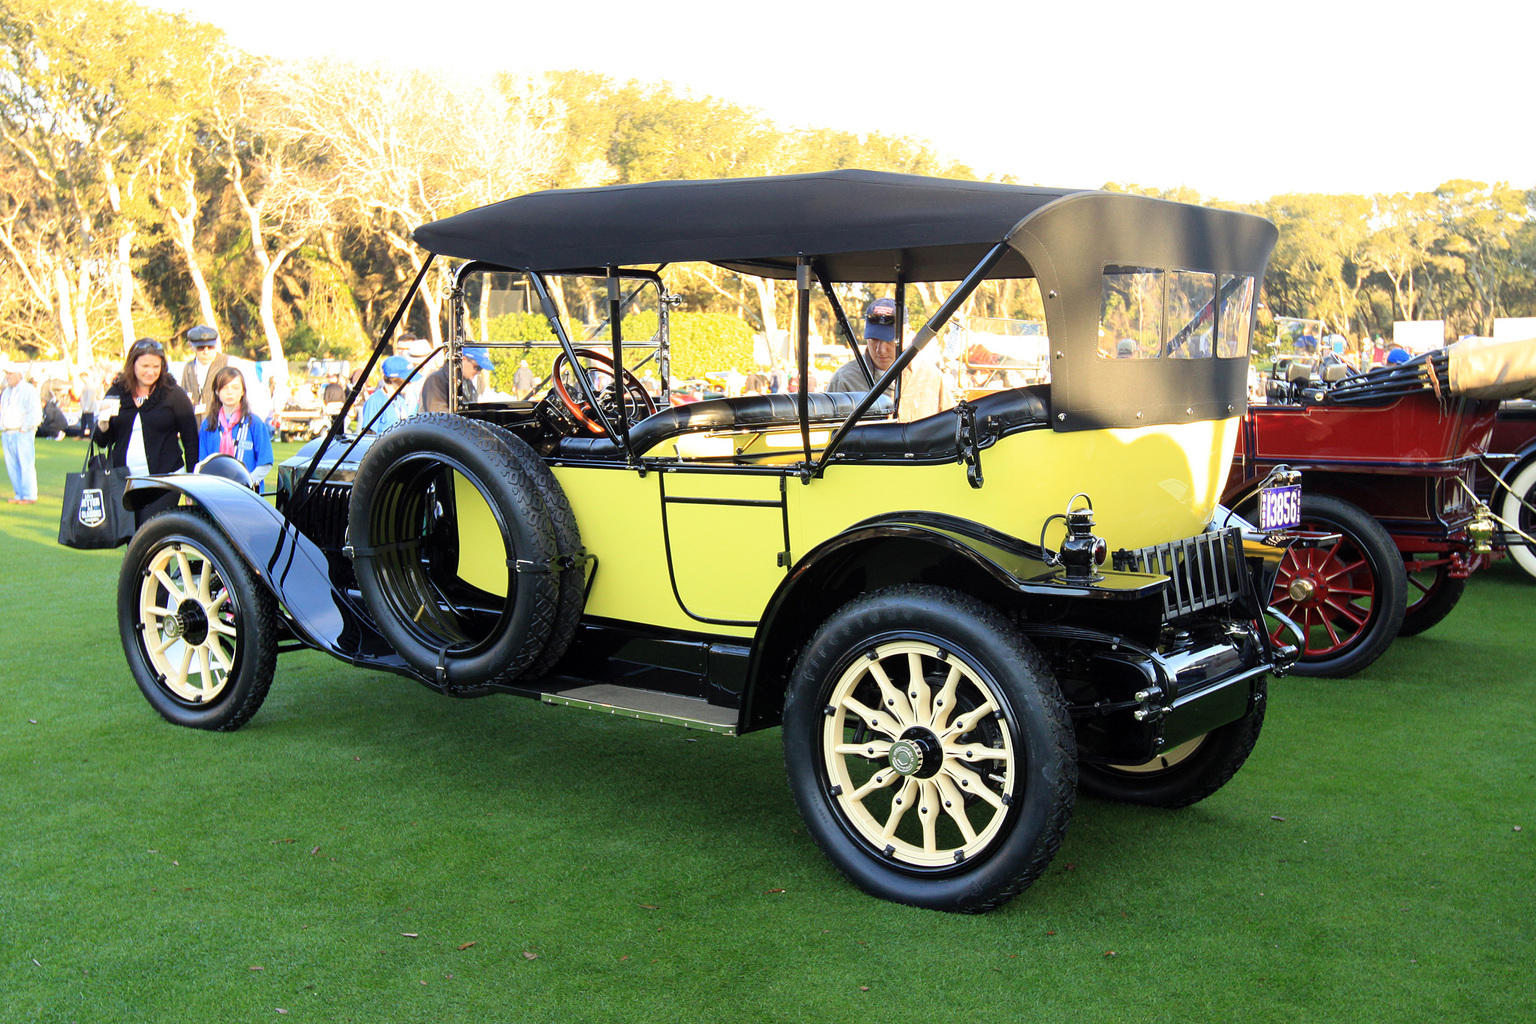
<point x="957" y="619"/>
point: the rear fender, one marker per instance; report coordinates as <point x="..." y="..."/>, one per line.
<point x="911" y="548"/>
<point x="286" y="562"/>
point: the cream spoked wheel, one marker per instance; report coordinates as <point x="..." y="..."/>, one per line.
<point x="929" y="749"/>
<point x="199" y="631"/>
<point x="918" y="760"/>
<point x="188" y="617"/>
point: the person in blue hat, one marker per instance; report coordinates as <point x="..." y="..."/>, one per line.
<point x="395" y="369"/>
<point x="434" y="390"/>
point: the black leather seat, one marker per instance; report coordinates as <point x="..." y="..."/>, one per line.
<point x="749" y="412"/>
<point x="932" y="437"/>
<point x="937" y="436"/>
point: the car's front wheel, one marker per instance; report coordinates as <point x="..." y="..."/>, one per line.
<point x="199" y="632"/>
<point x="929" y="749"/>
<point x="1184" y="774"/>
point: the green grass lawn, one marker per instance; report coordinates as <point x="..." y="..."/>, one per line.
<point x="365" y="850"/>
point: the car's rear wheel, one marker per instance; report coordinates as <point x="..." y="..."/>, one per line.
<point x="929" y="749"/>
<point x="1347" y="596"/>
<point x="1184" y="774"/>
<point x="1432" y="592"/>
<point x="1517" y="505"/>
<point x="198" y="630"/>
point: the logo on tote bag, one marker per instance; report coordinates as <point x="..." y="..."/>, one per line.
<point x="93" y="509"/>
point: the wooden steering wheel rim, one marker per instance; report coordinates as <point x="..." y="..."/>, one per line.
<point x="577" y="408"/>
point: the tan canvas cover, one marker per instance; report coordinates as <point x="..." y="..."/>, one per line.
<point x="1484" y="368"/>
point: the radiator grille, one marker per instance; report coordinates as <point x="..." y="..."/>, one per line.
<point x="1202" y="571"/>
<point x="323" y="517"/>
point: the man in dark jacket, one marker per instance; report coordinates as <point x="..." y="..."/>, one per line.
<point x="208" y="359"/>
<point x="434" y="391"/>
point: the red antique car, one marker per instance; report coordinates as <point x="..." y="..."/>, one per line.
<point x="1388" y="459"/>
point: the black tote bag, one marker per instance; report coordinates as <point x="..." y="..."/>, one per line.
<point x="93" y="515"/>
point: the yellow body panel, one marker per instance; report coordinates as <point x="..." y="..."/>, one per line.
<point x="1149" y="485"/>
<point x="482" y="556"/>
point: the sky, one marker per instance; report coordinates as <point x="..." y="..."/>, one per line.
<point x="1238" y="101"/>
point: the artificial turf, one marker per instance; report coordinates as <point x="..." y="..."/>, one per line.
<point x="364" y="850"/>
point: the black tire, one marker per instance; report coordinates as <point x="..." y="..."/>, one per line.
<point x="1432" y="593"/>
<point x="1186" y="774"/>
<point x="998" y="828"/>
<point x="199" y="631"/>
<point x="1515" y="502"/>
<point x="403" y="529"/>
<point x="1348" y="598"/>
<point x="572" y="597"/>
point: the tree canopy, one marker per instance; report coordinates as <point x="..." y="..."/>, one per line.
<point x="153" y="177"/>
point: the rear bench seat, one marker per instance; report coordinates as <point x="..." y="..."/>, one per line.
<point x="932" y="437"/>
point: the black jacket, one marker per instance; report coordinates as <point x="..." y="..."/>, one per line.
<point x="170" y="429"/>
<point x="434" y="389"/>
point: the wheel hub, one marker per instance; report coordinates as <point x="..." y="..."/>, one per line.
<point x="917" y="754"/>
<point x="1302" y="589"/>
<point x="190" y="623"/>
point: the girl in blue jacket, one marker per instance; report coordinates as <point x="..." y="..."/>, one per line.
<point x="230" y="429"/>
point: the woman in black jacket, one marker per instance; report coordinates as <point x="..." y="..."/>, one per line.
<point x="152" y="429"/>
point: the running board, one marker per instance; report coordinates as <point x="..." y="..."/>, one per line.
<point x="648" y="706"/>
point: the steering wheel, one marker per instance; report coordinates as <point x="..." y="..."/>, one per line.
<point x="635" y="397"/>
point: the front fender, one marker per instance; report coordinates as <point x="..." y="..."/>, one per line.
<point x="286" y="562"/>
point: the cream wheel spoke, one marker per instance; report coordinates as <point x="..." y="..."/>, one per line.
<point x="944" y="703"/>
<point x="223" y="657"/>
<point x="184" y="564"/>
<point x="222" y="628"/>
<point x="953" y="802"/>
<point x="971" y="784"/>
<point x="966" y="722"/>
<point x="165" y="641"/>
<point x="973" y="753"/>
<point x="917" y="689"/>
<point x="900" y="804"/>
<point x="205" y="584"/>
<point x="895" y="700"/>
<point x="879" y="780"/>
<point x="210" y="684"/>
<point x="179" y="680"/>
<point x="172" y="588"/>
<point x="872" y="718"/>
<point x="928" y="814"/>
<point x="874" y="748"/>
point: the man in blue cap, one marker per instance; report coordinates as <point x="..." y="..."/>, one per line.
<point x="925" y="388"/>
<point x="434" y="390"/>
<point x="394" y="369"/>
<point x="879" y="345"/>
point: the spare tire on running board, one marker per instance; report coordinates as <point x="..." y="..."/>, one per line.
<point x="454" y="551"/>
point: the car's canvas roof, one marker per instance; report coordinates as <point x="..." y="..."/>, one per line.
<point x="865" y="225"/>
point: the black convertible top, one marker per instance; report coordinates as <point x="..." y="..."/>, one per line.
<point x="865" y="224"/>
<point x="875" y="227"/>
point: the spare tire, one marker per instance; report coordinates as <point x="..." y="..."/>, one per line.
<point x="408" y="526"/>
<point x="572" y="597"/>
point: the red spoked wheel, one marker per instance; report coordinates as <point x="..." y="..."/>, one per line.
<point x="1348" y="596"/>
<point x="1432" y="591"/>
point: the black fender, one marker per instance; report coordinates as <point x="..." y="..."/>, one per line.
<point x="908" y="547"/>
<point x="287" y="563"/>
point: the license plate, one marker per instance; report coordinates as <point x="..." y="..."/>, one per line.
<point x="1279" y="507"/>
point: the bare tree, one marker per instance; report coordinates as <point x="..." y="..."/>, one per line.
<point x="402" y="147"/>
